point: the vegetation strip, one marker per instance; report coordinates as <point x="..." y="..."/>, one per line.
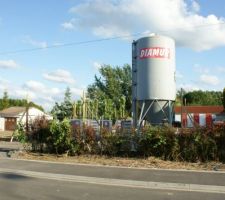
<point x="120" y="182"/>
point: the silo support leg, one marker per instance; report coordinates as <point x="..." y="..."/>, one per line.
<point x="162" y="109"/>
<point x="140" y="117"/>
<point x="167" y="103"/>
<point x="170" y="112"/>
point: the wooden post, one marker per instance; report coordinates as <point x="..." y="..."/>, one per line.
<point x="27" y="118"/>
<point x="181" y="90"/>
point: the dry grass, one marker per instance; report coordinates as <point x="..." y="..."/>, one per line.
<point x="150" y="162"/>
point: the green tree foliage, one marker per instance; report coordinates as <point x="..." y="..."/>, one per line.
<point x="224" y="98"/>
<point x="65" y="109"/>
<point x="61" y="135"/>
<point x="20" y="133"/>
<point x="7" y="102"/>
<point x="192" y="145"/>
<point x="112" y="90"/>
<point x="203" y="98"/>
<point x="179" y="95"/>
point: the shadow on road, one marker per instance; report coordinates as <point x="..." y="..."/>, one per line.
<point x="13" y="176"/>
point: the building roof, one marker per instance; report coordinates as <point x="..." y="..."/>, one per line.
<point x="12" y="111"/>
<point x="199" y="109"/>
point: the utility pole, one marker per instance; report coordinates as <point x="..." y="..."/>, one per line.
<point x="84" y="106"/>
<point x="27" y="115"/>
<point x="181" y="92"/>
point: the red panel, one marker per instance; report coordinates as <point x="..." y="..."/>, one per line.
<point x="196" y="118"/>
<point x="208" y="119"/>
<point x="184" y="119"/>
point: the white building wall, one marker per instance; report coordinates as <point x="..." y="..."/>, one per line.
<point x="2" y="124"/>
<point x="202" y="120"/>
<point x="33" y="113"/>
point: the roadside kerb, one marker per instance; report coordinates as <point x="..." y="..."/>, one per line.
<point x="119" y="167"/>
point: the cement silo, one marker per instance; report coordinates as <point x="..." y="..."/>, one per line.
<point x="153" y="79"/>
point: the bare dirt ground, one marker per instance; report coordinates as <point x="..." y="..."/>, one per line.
<point x="5" y="135"/>
<point x="150" y="162"/>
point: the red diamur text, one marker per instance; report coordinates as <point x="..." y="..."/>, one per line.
<point x="155" y="52"/>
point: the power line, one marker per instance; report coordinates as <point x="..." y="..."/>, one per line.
<point x="100" y="40"/>
<point x="68" y="44"/>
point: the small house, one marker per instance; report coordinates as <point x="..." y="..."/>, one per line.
<point x="10" y="117"/>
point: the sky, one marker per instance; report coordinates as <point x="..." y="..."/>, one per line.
<point x="36" y="62"/>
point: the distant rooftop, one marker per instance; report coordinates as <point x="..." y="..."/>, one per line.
<point x="12" y="111"/>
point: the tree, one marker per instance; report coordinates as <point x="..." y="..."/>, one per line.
<point x="5" y="100"/>
<point x="203" y="98"/>
<point x="223" y="99"/>
<point x="110" y="88"/>
<point x="65" y="109"/>
<point x="179" y="97"/>
<point x="67" y="104"/>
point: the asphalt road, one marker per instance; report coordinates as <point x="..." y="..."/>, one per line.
<point x="14" y="187"/>
<point x="22" y="180"/>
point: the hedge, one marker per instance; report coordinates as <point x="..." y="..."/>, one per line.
<point x="192" y="145"/>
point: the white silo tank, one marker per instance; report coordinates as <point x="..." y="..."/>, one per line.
<point x="153" y="77"/>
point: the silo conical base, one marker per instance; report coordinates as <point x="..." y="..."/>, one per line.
<point x="155" y="112"/>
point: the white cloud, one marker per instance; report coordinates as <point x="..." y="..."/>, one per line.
<point x="60" y="75"/>
<point x="221" y="69"/>
<point x="209" y="79"/>
<point x="195" y="6"/>
<point x="8" y="64"/>
<point x="179" y="19"/>
<point x="3" y="81"/>
<point x="188" y="87"/>
<point x="68" y="25"/>
<point x="39" y="44"/>
<point x="200" y="69"/>
<point x="4" y="84"/>
<point x="34" y="86"/>
<point x="97" y="65"/>
<point x="37" y="92"/>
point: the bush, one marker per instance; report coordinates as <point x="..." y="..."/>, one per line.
<point x="219" y="137"/>
<point x="20" y="134"/>
<point x="61" y="136"/>
<point x="39" y="135"/>
<point x="192" y="145"/>
<point x="152" y="142"/>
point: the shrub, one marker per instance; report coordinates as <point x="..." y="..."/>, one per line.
<point x="39" y="135"/>
<point x="219" y="137"/>
<point x="20" y="134"/>
<point x="152" y="142"/>
<point x="192" y="145"/>
<point x="61" y="136"/>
